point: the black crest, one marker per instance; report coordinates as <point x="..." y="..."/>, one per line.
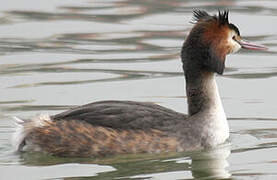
<point x="223" y="17"/>
<point x="201" y="15"/>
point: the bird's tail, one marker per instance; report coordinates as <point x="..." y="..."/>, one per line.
<point x="24" y="126"/>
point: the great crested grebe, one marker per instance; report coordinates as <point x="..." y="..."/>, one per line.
<point x="117" y="127"/>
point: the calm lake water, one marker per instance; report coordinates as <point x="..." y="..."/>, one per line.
<point x="55" y="54"/>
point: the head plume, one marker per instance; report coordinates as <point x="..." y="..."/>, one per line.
<point x="203" y="16"/>
<point x="223" y="17"/>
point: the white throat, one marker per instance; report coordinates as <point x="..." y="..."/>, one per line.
<point x="216" y="116"/>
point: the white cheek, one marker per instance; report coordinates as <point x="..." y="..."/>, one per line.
<point x="235" y="46"/>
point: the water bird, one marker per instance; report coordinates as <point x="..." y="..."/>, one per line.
<point x="121" y="127"/>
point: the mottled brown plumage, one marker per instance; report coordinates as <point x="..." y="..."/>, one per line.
<point x="71" y="138"/>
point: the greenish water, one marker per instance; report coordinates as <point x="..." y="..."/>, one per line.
<point x="56" y="54"/>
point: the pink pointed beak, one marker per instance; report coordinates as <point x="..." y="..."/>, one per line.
<point x="248" y="45"/>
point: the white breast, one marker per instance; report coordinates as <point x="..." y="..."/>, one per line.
<point x="217" y="128"/>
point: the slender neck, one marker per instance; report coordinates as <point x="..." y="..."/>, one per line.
<point x="202" y="93"/>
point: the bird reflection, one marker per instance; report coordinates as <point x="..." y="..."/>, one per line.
<point x="211" y="164"/>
